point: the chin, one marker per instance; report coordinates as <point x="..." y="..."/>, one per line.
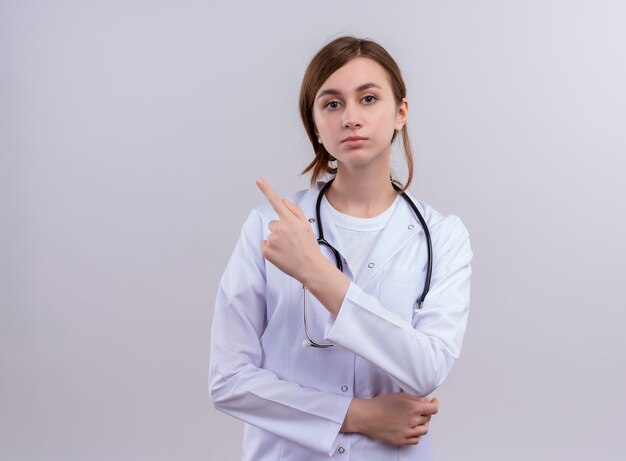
<point x="356" y="161"/>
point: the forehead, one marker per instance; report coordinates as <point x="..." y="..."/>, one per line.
<point x="355" y="73"/>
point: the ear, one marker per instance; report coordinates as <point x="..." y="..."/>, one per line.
<point x="401" y="114"/>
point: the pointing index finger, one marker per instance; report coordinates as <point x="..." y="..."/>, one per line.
<point x="272" y="197"/>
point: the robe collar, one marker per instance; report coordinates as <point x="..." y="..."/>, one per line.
<point x="402" y="227"/>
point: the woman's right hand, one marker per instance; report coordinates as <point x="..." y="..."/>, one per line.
<point x="397" y="418"/>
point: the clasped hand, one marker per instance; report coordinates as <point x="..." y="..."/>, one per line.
<point x="396" y="418"/>
<point x="291" y="245"/>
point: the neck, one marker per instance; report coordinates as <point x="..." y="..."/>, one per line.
<point x="363" y="194"/>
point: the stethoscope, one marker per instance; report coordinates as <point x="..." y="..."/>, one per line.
<point x="322" y="241"/>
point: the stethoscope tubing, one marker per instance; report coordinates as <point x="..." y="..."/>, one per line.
<point x="322" y="241"/>
<point x="429" y="244"/>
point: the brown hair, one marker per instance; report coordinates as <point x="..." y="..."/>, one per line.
<point x="327" y="60"/>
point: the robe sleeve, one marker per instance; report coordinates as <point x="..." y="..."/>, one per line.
<point x="417" y="355"/>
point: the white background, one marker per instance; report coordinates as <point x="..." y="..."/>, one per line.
<point x="131" y="133"/>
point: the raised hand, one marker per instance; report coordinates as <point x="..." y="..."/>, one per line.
<point x="291" y="245"/>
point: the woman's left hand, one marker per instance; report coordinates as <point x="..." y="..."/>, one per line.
<point x="291" y="245"/>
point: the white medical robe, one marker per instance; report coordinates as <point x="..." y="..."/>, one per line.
<point x="292" y="399"/>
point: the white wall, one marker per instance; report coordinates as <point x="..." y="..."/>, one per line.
<point x="131" y="133"/>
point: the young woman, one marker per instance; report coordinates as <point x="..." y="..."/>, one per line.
<point x="344" y="306"/>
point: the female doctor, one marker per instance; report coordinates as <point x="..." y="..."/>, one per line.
<point x="329" y="348"/>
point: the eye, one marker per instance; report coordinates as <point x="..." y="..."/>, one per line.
<point x="369" y="99"/>
<point x="331" y="105"/>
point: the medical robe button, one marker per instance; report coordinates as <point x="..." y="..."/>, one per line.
<point x="344" y="388"/>
<point x="411" y="226"/>
<point x="370" y="265"/>
<point x="341" y="449"/>
<point x="311" y="219"/>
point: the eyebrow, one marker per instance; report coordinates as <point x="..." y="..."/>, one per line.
<point x="336" y="92"/>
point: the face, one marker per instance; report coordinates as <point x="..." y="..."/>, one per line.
<point x="356" y="101"/>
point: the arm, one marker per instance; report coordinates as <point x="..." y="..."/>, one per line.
<point x="237" y="384"/>
<point x="417" y="356"/>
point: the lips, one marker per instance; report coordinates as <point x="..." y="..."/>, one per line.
<point x="354" y="142"/>
<point x="354" y="138"/>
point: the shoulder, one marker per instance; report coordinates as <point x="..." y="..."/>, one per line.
<point x="445" y="228"/>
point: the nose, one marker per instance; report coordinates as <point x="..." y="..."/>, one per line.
<point x="351" y="117"/>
